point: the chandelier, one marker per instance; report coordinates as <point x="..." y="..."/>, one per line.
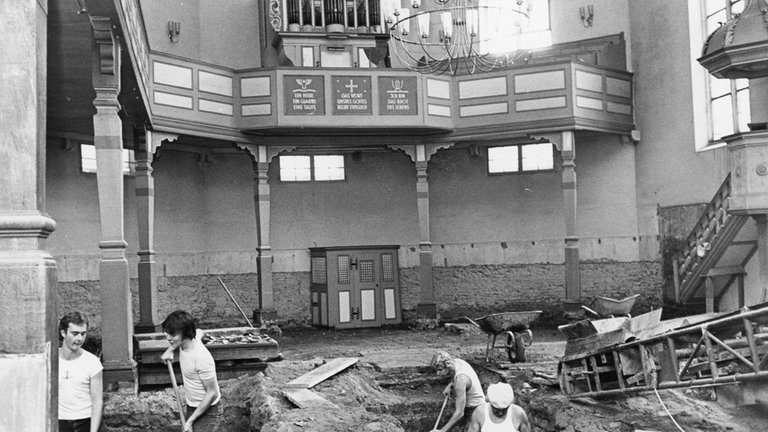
<point x="451" y="36"/>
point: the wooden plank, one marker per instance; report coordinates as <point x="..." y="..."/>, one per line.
<point x="322" y="373"/>
<point x="305" y="398"/>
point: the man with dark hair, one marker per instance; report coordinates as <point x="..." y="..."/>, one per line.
<point x="80" y="378"/>
<point x="201" y="388"/>
<point x="465" y="386"/>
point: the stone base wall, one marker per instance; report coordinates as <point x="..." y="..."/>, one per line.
<point x="482" y="289"/>
<point x="468" y="290"/>
<point x="202" y="296"/>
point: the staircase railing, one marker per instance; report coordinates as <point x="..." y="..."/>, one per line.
<point x="700" y="242"/>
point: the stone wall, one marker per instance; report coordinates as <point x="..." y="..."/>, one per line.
<point x="481" y="289"/>
<point x="467" y="290"/>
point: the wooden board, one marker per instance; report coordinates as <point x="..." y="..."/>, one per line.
<point x="322" y="373"/>
<point x="305" y="398"/>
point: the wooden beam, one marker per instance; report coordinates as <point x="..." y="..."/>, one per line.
<point x="322" y="373"/>
<point x="724" y="271"/>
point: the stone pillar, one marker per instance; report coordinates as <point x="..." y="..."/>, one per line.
<point x="266" y="311"/>
<point x="426" y="308"/>
<point x="29" y="340"/>
<point x="117" y="319"/>
<point x="145" y="207"/>
<point x="572" y="279"/>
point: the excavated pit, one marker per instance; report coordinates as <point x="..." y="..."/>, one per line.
<point x="390" y="390"/>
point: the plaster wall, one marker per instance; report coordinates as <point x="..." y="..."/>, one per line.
<point x="477" y="218"/>
<point x="610" y="17"/>
<point x="375" y="204"/>
<point x="224" y="33"/>
<point x="204" y="215"/>
<point x="667" y="95"/>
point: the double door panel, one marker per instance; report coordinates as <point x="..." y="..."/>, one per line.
<point x="363" y="289"/>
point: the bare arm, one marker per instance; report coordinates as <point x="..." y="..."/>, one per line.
<point x="478" y="417"/>
<point x="522" y="419"/>
<point x="460" y="392"/>
<point x="211" y="387"/>
<point x="97" y="401"/>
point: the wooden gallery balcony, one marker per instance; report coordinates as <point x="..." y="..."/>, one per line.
<point x="200" y="99"/>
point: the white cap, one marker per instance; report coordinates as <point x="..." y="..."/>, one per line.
<point x="500" y="395"/>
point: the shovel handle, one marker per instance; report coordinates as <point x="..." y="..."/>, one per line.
<point x="179" y="405"/>
<point x="445" y="401"/>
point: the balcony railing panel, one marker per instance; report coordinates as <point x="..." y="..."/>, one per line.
<point x="545" y="97"/>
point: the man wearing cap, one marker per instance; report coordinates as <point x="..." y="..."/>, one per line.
<point x="500" y="414"/>
<point x="465" y="385"/>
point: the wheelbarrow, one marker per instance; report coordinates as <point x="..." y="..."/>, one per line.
<point x="604" y="307"/>
<point x="514" y="325"/>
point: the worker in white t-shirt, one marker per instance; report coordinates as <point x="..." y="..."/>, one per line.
<point x="80" y="380"/>
<point x="500" y="414"/>
<point x="201" y="387"/>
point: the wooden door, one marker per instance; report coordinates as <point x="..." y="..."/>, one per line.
<point x="363" y="288"/>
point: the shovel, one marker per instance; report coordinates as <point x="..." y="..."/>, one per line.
<point x="178" y="394"/>
<point x="441" y="412"/>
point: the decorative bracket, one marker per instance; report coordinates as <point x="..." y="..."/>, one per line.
<point x="156" y="139"/>
<point x="107" y="46"/>
<point x="555" y="138"/>
<point x="408" y="149"/>
<point x="412" y="150"/>
<point x="275" y="16"/>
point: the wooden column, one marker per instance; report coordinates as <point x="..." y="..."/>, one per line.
<point x="28" y="316"/>
<point x="426" y="308"/>
<point x="762" y="251"/>
<point x="572" y="278"/>
<point x="145" y="209"/>
<point x="266" y="311"/>
<point x="709" y="294"/>
<point x="117" y="319"/>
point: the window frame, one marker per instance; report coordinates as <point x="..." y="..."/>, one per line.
<point x="520" y="169"/>
<point x="128" y="160"/>
<point x="312" y="169"/>
<point x="737" y="124"/>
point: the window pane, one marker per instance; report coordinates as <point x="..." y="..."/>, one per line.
<point x="538" y="157"/>
<point x="295" y="168"/>
<point x="329" y="167"/>
<point x="502" y="159"/>
<point x="742" y="98"/>
<point x="737" y="7"/>
<point x="539" y="16"/>
<point x="722" y="117"/>
<point x="88" y="158"/>
<point x="714" y="21"/>
<point x="500" y="28"/>
<point x="128" y="162"/>
<point x="714" y="6"/>
<point x="719" y="87"/>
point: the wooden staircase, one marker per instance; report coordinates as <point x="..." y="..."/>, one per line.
<point x="715" y="252"/>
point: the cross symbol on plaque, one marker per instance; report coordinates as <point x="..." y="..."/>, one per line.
<point x="351" y="86"/>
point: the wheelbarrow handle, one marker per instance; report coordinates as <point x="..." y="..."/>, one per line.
<point x="472" y="321"/>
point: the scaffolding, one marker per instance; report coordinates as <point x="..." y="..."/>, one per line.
<point x="723" y="349"/>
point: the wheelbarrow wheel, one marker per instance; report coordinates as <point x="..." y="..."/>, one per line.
<point x="515" y="346"/>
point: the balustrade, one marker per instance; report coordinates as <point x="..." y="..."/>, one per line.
<point x="704" y="233"/>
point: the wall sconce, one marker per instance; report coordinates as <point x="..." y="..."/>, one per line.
<point x="174" y="28"/>
<point x="587" y="15"/>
